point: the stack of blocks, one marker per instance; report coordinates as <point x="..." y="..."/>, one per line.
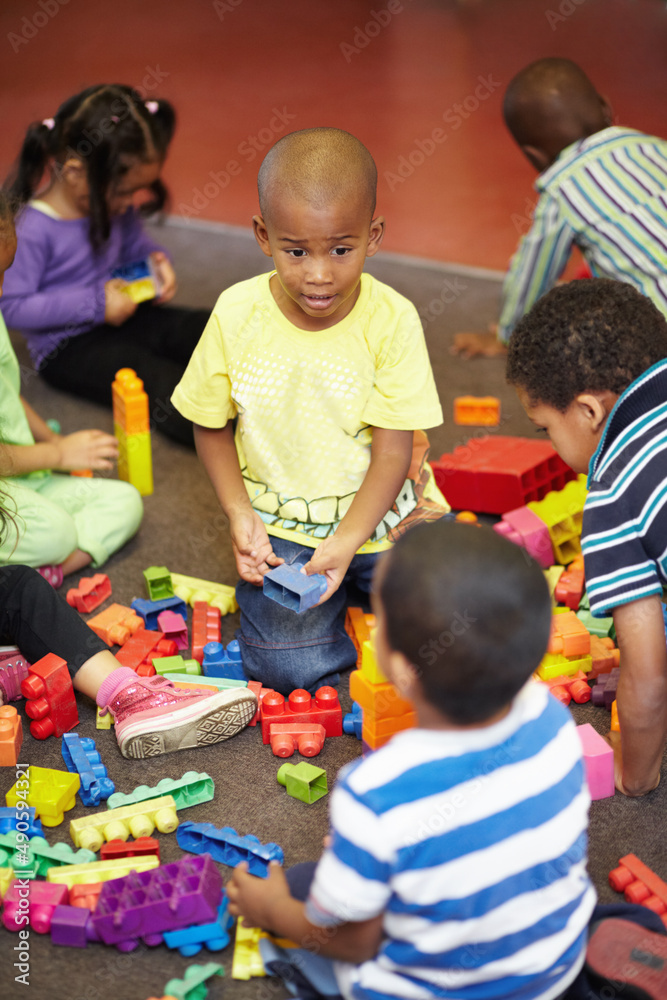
<point x="569" y="649"/>
<point x="549" y="528"/>
<point x="131" y="427"/>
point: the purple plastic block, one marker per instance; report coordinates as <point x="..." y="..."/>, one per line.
<point x="291" y="588"/>
<point x="604" y="691"/>
<point x="227" y="847"/>
<point x="69" y="926"/>
<point x="143" y="905"/>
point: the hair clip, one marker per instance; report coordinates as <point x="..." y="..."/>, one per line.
<point x="115" y="119"/>
<point x="151" y="106"/>
<point x="49" y="123"/>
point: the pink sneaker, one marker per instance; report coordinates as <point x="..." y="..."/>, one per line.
<point x="52" y="574"/>
<point x="153" y="717"/>
<point x="13" y="671"/>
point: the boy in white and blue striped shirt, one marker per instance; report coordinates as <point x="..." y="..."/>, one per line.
<point x="456" y="865"/>
<point x="589" y="363"/>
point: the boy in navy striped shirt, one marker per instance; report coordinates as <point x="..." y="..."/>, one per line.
<point x="456" y="865"/>
<point x="589" y="363"/>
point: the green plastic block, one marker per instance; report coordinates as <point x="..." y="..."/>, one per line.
<point x="192" y="985"/>
<point x="158" y="583"/>
<point x="33" y="859"/>
<point x="176" y="665"/>
<point x="303" y="781"/>
<point x="190" y="790"/>
<point x="221" y="683"/>
<point x="601" y="627"/>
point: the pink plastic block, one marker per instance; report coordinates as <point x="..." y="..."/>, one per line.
<point x="523" y="527"/>
<point x="599" y="761"/>
<point x="174" y="628"/>
<point x="35" y="901"/>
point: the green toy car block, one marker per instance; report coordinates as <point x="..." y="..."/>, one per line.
<point x="192" y="985"/>
<point x="35" y="858"/>
<point x="303" y="781"/>
<point x="176" y="665"/>
<point x="219" y="683"/>
<point x="190" y="790"/>
<point x="158" y="583"/>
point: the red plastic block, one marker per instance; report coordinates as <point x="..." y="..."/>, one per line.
<point x="141" y="647"/>
<point x="495" y="474"/>
<point x="477" y="411"/>
<point x="132" y="849"/>
<point x="51" y="702"/>
<point x="570" y="588"/>
<point x="324" y="709"/>
<point x="116" y="624"/>
<point x="11" y="736"/>
<point x="205" y="628"/>
<point x="306" y="737"/>
<point x="259" y="692"/>
<point x="640" y="885"/>
<point x="91" y="592"/>
<point x="566" y="688"/>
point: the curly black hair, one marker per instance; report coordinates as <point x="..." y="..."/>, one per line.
<point x="585" y="336"/>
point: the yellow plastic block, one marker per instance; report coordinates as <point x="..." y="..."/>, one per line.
<point x="555" y="664"/>
<point x="369" y="667"/>
<point x="140" y="290"/>
<point x="100" y="871"/>
<point x="247" y="960"/>
<point x="135" y="462"/>
<point x="562" y="511"/>
<point x="218" y="595"/>
<point x="553" y="575"/>
<point x="51" y="792"/>
<point x="6" y="879"/>
<point x="103" y="721"/>
<point x="139" y="820"/>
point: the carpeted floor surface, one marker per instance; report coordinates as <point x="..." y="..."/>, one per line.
<point x="183" y="529"/>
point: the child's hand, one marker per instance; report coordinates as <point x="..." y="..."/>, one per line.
<point x="331" y="558"/>
<point x="471" y="345"/>
<point x="252" y="547"/>
<point x="166" y="275"/>
<point x="256" y="899"/>
<point x="117" y="305"/>
<point x="86" y="450"/>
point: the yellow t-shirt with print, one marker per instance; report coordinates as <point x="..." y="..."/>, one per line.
<point x="307" y="402"/>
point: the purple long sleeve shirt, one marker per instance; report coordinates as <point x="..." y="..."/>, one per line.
<point x="55" y="288"/>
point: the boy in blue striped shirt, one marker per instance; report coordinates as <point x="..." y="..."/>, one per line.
<point x="589" y="363"/>
<point x="456" y="865"/>
<point x="602" y="188"/>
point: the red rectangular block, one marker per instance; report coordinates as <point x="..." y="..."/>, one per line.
<point x="323" y="708"/>
<point x="50" y="698"/>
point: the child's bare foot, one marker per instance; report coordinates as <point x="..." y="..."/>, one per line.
<point x="633" y="791"/>
<point x="471" y="345"/>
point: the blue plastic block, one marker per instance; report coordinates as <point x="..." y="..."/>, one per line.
<point x="352" y="722"/>
<point x="218" y="662"/>
<point x="288" y="586"/>
<point x="226" y="846"/>
<point x="81" y="757"/>
<point x="149" y="610"/>
<point x="191" y="940"/>
<point x="9" y="820"/>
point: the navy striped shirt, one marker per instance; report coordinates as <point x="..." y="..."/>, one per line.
<point x="606" y="194"/>
<point x="624" y="531"/>
<point x="472" y="844"/>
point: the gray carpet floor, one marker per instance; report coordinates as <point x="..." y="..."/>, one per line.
<point x="183" y="529"/>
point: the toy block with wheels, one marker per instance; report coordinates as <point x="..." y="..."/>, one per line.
<point x="323" y="709"/>
<point x="115" y="624"/>
<point x="496" y="474"/>
<point x="139" y="820"/>
<point x="50" y="698"/>
<point x="307" y="738"/>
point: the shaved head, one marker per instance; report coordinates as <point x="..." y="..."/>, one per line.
<point x="551" y="104"/>
<point x="317" y="165"/>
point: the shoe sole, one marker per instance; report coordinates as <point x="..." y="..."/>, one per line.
<point x="191" y="726"/>
<point x="629" y="959"/>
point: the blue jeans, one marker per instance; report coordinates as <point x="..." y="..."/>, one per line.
<point x="285" y="650"/>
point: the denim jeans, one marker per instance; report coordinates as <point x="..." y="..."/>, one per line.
<point x="285" y="650"/>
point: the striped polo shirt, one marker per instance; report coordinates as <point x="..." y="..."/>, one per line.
<point x="472" y="844"/>
<point x="624" y="531"/>
<point x="606" y="194"/>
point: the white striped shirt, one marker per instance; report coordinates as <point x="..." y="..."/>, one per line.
<point x="606" y="194"/>
<point x="472" y="844"/>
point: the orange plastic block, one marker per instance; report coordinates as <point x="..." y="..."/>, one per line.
<point x="615" y="724"/>
<point x="358" y="626"/>
<point x="86" y="895"/>
<point x="378" y="700"/>
<point x="568" y="635"/>
<point x="116" y="624"/>
<point x="568" y="688"/>
<point x="570" y="588"/>
<point x="640" y="885"/>
<point x="377" y="732"/>
<point x="477" y="411"/>
<point x="206" y="627"/>
<point x="130" y="402"/>
<point x="604" y="654"/>
<point x="11" y="736"/>
<point x="50" y="698"/>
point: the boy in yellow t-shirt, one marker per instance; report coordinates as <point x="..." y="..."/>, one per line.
<point x="327" y="371"/>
